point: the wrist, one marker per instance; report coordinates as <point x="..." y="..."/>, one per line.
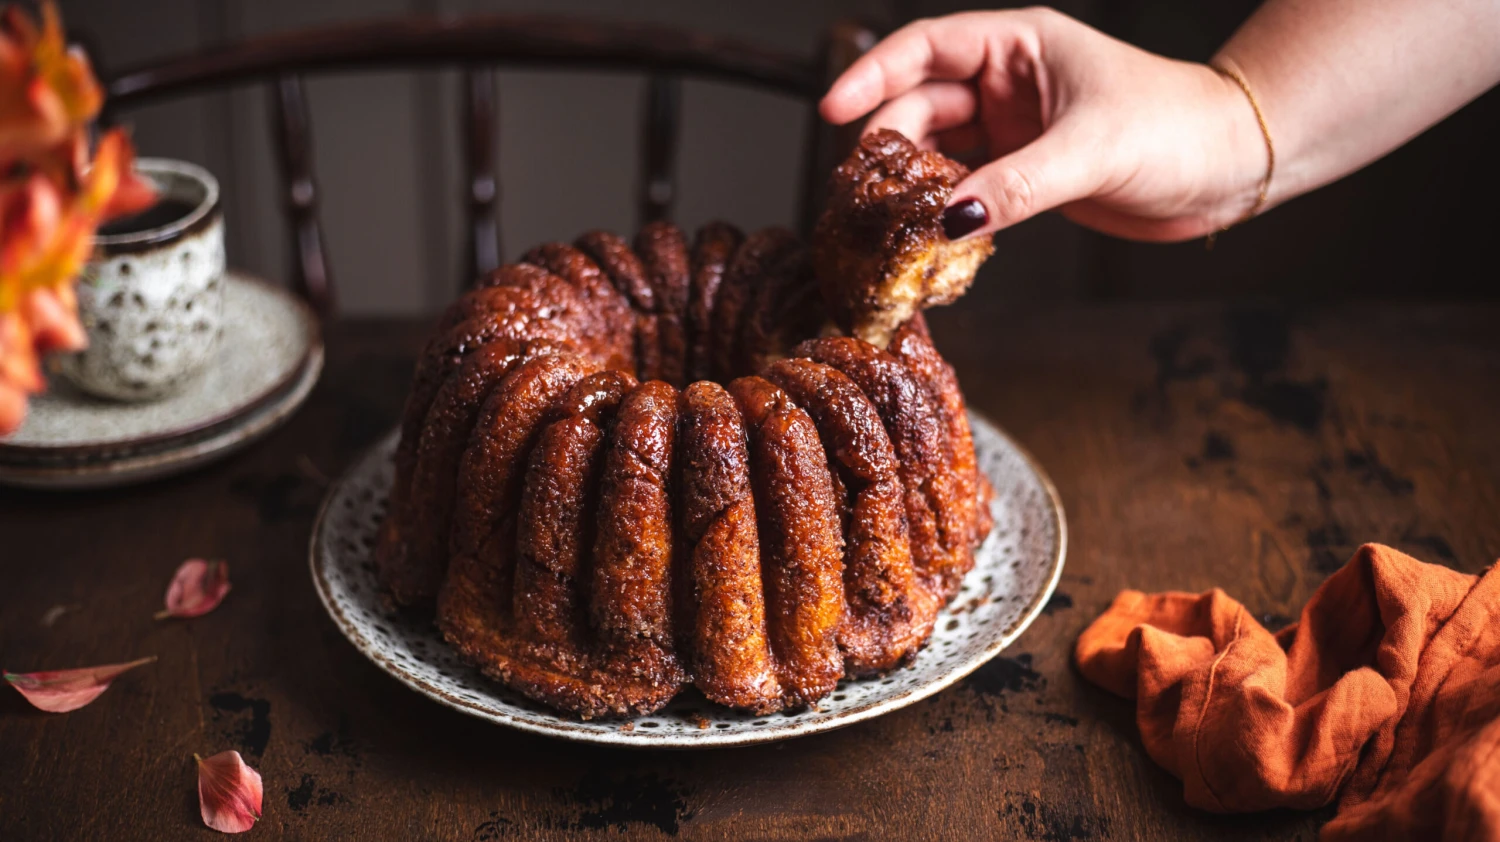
<point x="1241" y="134"/>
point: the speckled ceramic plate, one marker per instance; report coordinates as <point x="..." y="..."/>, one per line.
<point x="1014" y="574"/>
<point x="129" y="468"/>
<point x="269" y="334"/>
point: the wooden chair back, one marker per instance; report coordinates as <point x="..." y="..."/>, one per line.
<point x="479" y="45"/>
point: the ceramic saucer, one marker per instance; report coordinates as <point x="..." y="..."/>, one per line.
<point x="267" y="362"/>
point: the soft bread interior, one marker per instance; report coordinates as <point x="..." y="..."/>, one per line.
<point x="937" y="275"/>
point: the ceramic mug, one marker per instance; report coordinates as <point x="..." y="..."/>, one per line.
<point x="151" y="299"/>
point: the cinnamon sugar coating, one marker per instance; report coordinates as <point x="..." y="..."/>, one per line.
<point x="599" y="542"/>
<point x="879" y="247"/>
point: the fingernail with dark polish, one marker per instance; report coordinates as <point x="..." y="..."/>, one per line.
<point x="964" y="217"/>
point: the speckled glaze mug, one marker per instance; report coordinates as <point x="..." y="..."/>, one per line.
<point x="152" y="298"/>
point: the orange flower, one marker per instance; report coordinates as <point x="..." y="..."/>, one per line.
<point x="52" y="199"/>
<point x="19" y="374"/>
<point x="52" y="314"/>
<point x="35" y="116"/>
<point x="45" y="321"/>
<point x="49" y="232"/>
<point x="132" y="194"/>
<point x="64" y="71"/>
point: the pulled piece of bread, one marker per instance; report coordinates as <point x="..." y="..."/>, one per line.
<point x="879" y="247"/>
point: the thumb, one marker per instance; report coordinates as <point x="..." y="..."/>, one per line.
<point x="1057" y="168"/>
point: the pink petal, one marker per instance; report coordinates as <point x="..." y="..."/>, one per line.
<point x="60" y="691"/>
<point x="229" y="792"/>
<point x="197" y="589"/>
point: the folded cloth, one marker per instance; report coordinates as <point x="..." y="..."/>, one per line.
<point x="1385" y="695"/>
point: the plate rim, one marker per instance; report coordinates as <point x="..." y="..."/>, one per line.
<point x="638" y="740"/>
<point x="104" y="451"/>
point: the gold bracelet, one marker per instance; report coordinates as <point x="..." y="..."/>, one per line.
<point x="1265" y="131"/>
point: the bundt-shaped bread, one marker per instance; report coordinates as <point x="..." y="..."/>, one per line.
<point x="629" y="467"/>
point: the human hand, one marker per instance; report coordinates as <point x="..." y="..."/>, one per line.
<point x="1062" y="116"/>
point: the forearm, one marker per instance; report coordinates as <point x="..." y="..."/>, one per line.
<point x="1343" y="82"/>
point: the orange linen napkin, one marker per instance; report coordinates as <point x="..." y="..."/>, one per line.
<point x="1386" y="695"/>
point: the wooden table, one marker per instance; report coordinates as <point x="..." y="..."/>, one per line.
<point x="1194" y="446"/>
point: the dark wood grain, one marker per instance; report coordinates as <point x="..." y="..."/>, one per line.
<point x="513" y="40"/>
<point x="479" y="44"/>
<point x="481" y="134"/>
<point x="1193" y="446"/>
<point x="660" y="121"/>
<point x="828" y="145"/>
<point x="292" y="129"/>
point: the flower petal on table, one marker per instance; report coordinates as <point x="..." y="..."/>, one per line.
<point x="229" y="792"/>
<point x="59" y="691"/>
<point x="197" y="588"/>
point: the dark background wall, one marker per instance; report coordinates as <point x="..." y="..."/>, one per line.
<point x="1418" y="224"/>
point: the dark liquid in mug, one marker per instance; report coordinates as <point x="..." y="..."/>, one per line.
<point x="162" y="213"/>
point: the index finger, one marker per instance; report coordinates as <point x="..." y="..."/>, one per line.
<point x="952" y="48"/>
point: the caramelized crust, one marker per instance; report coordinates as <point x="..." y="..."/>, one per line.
<point x="713" y="248"/>
<point x="440" y="358"/>
<point x="621" y="265"/>
<point x="890" y="612"/>
<point x="596" y="542"/>
<point x="801" y="548"/>
<point x="497" y="302"/>
<point x="578" y="270"/>
<point x="625" y="271"/>
<point x="631" y="604"/>
<point x="445" y="434"/>
<point x="935" y="515"/>
<point x="761" y="250"/>
<point x="770" y="322"/>
<point x="519" y="275"/>
<point x="802" y="316"/>
<point x="664" y="255"/>
<point x="554" y="548"/>
<point x="723" y="613"/>
<point x="912" y="345"/>
<point x="598" y="292"/>
<point x="525" y="318"/>
<point x="474" y="604"/>
<point x="879" y="246"/>
<point x="595" y="397"/>
<point x="483" y="315"/>
<point x="414" y="556"/>
<point x="556" y="534"/>
<point x="554" y="542"/>
<point x="541" y="645"/>
<point x="596" y="333"/>
<point x="558" y="300"/>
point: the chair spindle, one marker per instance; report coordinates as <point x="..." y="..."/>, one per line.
<point x="660" y="126"/>
<point x="294" y="156"/>
<point x="827" y="145"/>
<point x="481" y="119"/>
